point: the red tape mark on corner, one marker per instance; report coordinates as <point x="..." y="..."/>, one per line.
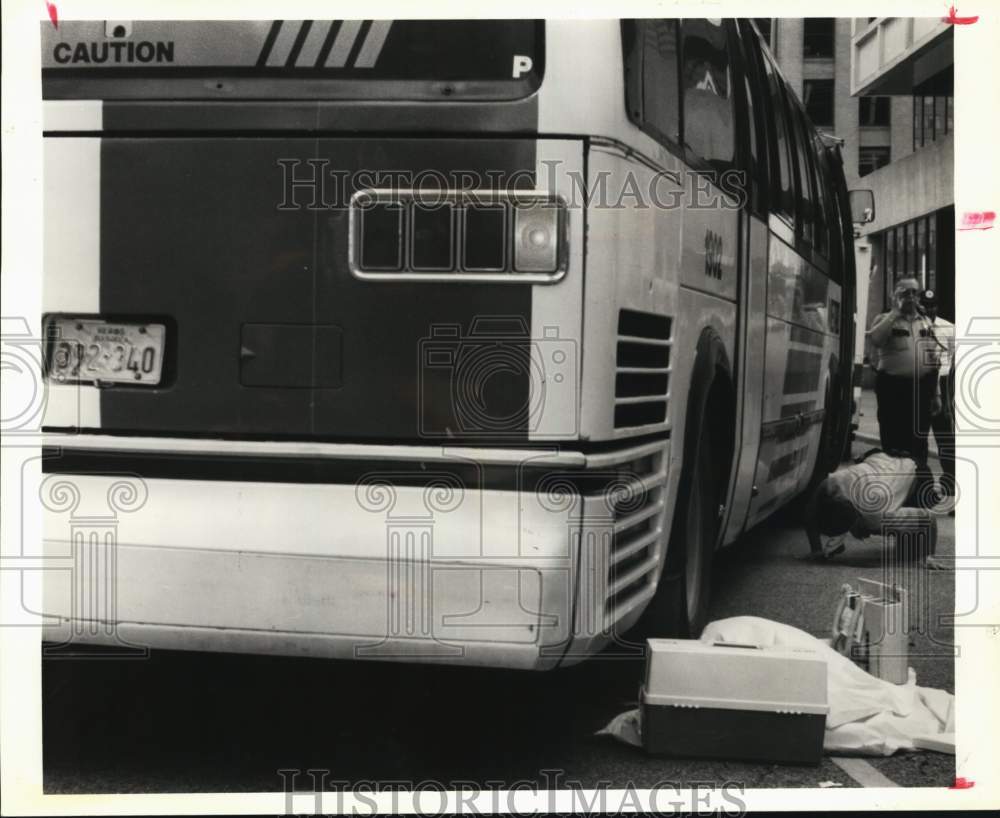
<point x="955" y="20"/>
<point x="962" y="784"/>
<point x="53" y="13"/>
<point x="978" y="221"/>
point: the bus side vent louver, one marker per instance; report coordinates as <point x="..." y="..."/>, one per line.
<point x="642" y="374"/>
<point x="637" y="509"/>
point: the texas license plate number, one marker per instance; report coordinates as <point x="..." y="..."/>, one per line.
<point x="106" y="352"/>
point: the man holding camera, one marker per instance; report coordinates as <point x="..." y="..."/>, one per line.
<point x="908" y="358"/>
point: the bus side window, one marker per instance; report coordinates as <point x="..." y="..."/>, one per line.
<point x="834" y="229"/>
<point x="632" y="55"/>
<point x="756" y="123"/>
<point x="659" y="78"/>
<point x="783" y="197"/>
<point x="807" y="195"/>
<point x="821" y="236"/>
<point x="652" y="90"/>
<point x="708" y="104"/>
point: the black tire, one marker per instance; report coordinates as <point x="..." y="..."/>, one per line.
<point x="828" y="456"/>
<point x="693" y="538"/>
<point x="680" y="607"/>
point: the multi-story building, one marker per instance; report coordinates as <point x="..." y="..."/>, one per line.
<point x="884" y="87"/>
<point x="911" y="59"/>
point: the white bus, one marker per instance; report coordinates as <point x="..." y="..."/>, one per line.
<point x="457" y="341"/>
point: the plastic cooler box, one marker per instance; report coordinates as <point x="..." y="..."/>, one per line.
<point x="729" y="700"/>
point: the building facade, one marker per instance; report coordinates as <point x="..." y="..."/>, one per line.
<point x="911" y="59"/>
<point x="884" y="86"/>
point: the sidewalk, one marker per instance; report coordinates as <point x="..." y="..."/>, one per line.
<point x="867" y="431"/>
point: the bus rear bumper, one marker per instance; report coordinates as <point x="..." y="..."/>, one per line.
<point x="378" y="569"/>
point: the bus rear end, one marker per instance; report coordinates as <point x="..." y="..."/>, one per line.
<point x="313" y="301"/>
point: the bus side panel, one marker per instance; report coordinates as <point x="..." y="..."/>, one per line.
<point x="633" y="257"/>
<point x="557" y="310"/>
<point x="584" y="87"/>
<point x="750" y="376"/>
<point x="72" y="260"/>
<point x="708" y="260"/>
<point x="800" y="345"/>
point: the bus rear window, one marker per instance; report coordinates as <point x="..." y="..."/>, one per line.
<point x="307" y="59"/>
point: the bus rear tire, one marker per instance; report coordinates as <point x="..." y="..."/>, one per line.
<point x="681" y="604"/>
<point x="693" y="539"/>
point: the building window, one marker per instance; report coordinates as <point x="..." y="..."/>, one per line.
<point x="912" y="259"/>
<point x="940" y="116"/>
<point x="873" y="112"/>
<point x="817" y="95"/>
<point x="931" y="253"/>
<point x="818" y="37"/>
<point x="922" y="251"/>
<point x="932" y="119"/>
<point x="902" y="262"/>
<point x="872" y="158"/>
<point x="928" y="120"/>
<point x="912" y="249"/>
<point x="890" y="256"/>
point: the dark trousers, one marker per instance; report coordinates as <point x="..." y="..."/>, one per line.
<point x="943" y="425"/>
<point x="904" y="413"/>
<point x="904" y="423"/>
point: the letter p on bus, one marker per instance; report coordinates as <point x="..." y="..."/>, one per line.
<point x="522" y="65"/>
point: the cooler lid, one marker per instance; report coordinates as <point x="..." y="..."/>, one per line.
<point x="734" y="676"/>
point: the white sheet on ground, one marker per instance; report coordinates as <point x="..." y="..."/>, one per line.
<point x="868" y="716"/>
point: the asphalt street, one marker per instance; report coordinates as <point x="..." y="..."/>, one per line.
<point x="186" y="722"/>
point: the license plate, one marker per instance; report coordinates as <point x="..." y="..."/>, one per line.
<point x="89" y="350"/>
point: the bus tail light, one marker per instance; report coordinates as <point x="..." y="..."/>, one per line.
<point x="517" y="237"/>
<point x="536" y="248"/>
